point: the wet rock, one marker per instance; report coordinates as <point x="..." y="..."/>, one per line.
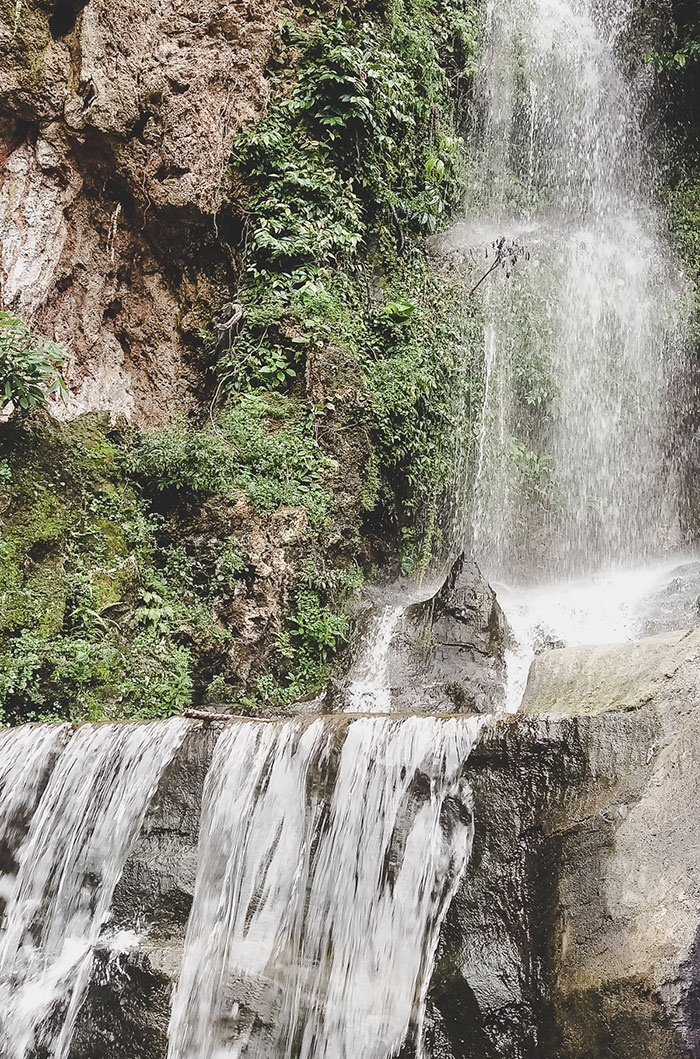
<point x="573" y="934"/>
<point x="675" y="605"/>
<point x="451" y="648"/>
<point x="444" y="655"/>
<point x="126" y="1012"/>
<point x="574" y="931"/>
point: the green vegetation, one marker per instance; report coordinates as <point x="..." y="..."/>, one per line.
<point x="356" y="163"/>
<point x="30" y="366"/>
<point x="679" y="61"/>
<point x="242" y="453"/>
<point x="316" y="630"/>
<point x="685" y="224"/>
<point x="680" y="50"/>
<point x="215" y="562"/>
<point x="87" y="615"/>
<point x="115" y="602"/>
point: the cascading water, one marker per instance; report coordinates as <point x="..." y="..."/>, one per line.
<point x="582" y="340"/>
<point x="368" y="690"/>
<point x="584" y="337"/>
<point x="80" y="835"/>
<point x="26" y="755"/>
<point x="328" y="855"/>
<point x="330" y="849"/>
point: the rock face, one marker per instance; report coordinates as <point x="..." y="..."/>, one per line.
<point x="452" y="648"/>
<point x="573" y="933"/>
<point x="443" y="655"/>
<point x="128" y="1007"/>
<point x="116" y="124"/>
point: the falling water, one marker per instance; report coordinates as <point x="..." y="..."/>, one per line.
<point x="69" y="864"/>
<point x="583" y="338"/>
<point x="585" y="328"/>
<point x="26" y="755"/>
<point x="368" y="688"/>
<point x="328" y="854"/>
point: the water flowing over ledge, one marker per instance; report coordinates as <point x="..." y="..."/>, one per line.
<point x="329" y="851"/>
<point x="328" y="856"/>
<point x="78" y="839"/>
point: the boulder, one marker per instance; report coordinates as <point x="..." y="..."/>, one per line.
<point x="443" y="654"/>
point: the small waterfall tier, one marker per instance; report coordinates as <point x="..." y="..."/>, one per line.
<point x="321" y="857"/>
<point x="328" y="854"/>
<point x="76" y="805"/>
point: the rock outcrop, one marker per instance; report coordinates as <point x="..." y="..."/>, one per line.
<point x="449" y="654"/>
<point x="574" y="932"/>
<point x="116" y="125"/>
<point x="445" y="654"/>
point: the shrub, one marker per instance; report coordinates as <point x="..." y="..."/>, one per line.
<point x="261" y="448"/>
<point x="30" y="366"/>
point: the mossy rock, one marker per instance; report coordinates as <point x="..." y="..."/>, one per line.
<point x="51" y="465"/>
<point x="617" y="1020"/>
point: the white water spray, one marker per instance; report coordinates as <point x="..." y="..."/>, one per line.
<point x="368" y="687"/>
<point x="26" y="755"/>
<point x="328" y="855"/>
<point x="80" y="836"/>
<point x="584" y="339"/>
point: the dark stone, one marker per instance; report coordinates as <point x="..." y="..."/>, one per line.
<point x="447" y="652"/>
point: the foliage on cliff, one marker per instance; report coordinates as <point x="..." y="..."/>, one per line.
<point x="678" y="60"/>
<point x="214" y="560"/>
<point x="357" y="162"/>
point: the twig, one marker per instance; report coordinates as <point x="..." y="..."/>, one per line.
<point x="495" y="265"/>
<point x="205" y="715"/>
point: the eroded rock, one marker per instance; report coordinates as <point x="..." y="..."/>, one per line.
<point x="442" y="655"/>
<point x="116" y="124"/>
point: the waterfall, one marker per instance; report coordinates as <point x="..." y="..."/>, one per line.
<point x="81" y="832"/>
<point x="328" y="854"/>
<point x="368" y="688"/>
<point x="27" y="754"/>
<point x="584" y="337"/>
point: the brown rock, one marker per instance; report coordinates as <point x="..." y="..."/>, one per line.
<point x="116" y="124"/>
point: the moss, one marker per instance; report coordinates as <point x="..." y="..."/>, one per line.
<point x="625" y="1017"/>
<point x="685" y="223"/>
<point x="103" y="616"/>
<point x="29" y="35"/>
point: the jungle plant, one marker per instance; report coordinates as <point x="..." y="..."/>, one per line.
<point x="30" y="366"/>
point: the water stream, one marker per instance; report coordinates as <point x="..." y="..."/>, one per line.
<point x="368" y="687"/>
<point x="328" y="855"/>
<point x="80" y="835"/>
<point x="585" y="332"/>
<point x="27" y="754"/>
